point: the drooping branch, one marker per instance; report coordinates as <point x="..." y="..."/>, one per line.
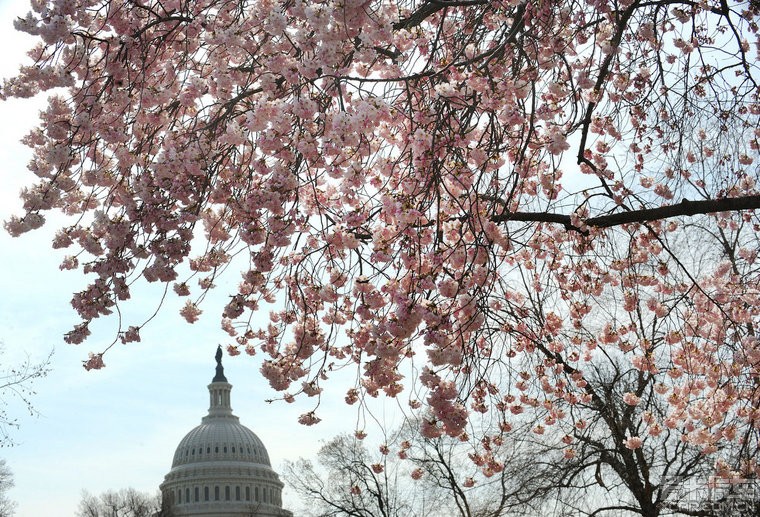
<point x="684" y="208"/>
<point x="430" y="8"/>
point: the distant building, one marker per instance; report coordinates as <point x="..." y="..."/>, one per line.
<point x="221" y="468"/>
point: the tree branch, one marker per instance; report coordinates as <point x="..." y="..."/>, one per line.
<point x="685" y="207"/>
<point x="430" y="8"/>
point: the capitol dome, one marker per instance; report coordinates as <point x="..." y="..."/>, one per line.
<point x="221" y="468"/>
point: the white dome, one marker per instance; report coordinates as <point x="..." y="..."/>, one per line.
<point x="221" y="468"/>
<point x="221" y="440"/>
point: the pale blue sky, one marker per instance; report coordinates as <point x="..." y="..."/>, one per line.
<point x="117" y="427"/>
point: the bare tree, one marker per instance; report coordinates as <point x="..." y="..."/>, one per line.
<point x="414" y="476"/>
<point x="16" y="383"/>
<point x="123" y="503"/>
<point x="7" y="507"/>
<point x="590" y="471"/>
<point x="348" y="481"/>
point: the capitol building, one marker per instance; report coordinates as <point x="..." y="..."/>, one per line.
<point x="221" y="468"/>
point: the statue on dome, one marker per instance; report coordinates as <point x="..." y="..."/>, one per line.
<point x="219" y="377"/>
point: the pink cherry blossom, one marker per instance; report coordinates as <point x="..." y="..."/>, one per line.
<point x="309" y="418"/>
<point x="479" y="219"/>
<point x="190" y="312"/>
<point x="95" y="362"/>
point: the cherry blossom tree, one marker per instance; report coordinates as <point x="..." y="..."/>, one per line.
<point x="478" y="205"/>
